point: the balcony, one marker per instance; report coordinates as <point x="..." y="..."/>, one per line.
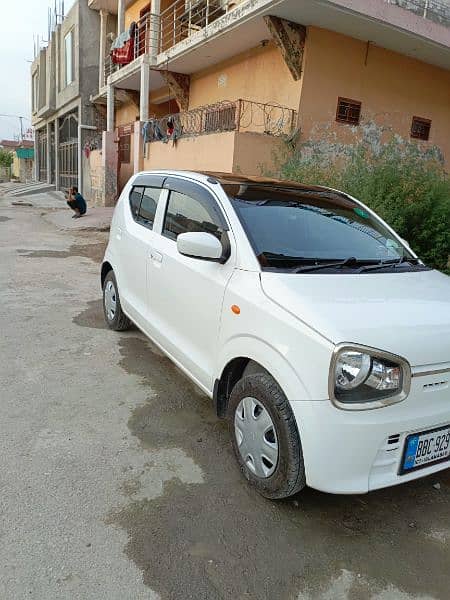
<point x="185" y="17"/>
<point x="154" y="34"/>
<point x="176" y="38"/>
<point x="241" y="116"/>
<point x="239" y="136"/>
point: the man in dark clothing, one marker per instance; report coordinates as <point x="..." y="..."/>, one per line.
<point x="76" y="202"/>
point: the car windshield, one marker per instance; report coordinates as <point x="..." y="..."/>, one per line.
<point x="290" y="227"/>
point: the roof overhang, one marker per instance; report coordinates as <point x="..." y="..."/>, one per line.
<point x="108" y="5"/>
<point x="382" y="24"/>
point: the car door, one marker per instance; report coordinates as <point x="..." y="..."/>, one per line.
<point x="136" y="239"/>
<point x="185" y="294"/>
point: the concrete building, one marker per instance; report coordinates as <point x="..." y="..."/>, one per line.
<point x="64" y="75"/>
<point x="221" y="85"/>
<point x="22" y="153"/>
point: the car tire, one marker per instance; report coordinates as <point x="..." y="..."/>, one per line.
<point x="262" y="427"/>
<point x="115" y="318"/>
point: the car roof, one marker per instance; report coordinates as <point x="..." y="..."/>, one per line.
<point x="238" y="179"/>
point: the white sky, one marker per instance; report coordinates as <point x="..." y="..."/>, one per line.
<point x="19" y="21"/>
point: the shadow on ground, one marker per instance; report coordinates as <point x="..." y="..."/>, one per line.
<point x="94" y="251"/>
<point x="220" y="539"/>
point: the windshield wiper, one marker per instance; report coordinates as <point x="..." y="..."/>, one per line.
<point x="348" y="262"/>
<point x="383" y="264"/>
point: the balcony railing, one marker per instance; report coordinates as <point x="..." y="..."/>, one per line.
<point x="185" y="17"/>
<point x="156" y="33"/>
<point x="240" y="115"/>
<point x="433" y="10"/>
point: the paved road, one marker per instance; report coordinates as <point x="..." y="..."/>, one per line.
<point x="117" y="481"/>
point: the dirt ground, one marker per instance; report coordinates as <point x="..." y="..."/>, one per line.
<point x="118" y="481"/>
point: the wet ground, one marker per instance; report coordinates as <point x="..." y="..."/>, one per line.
<point x="118" y="481"/>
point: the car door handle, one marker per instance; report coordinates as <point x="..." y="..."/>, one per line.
<point x="118" y="233"/>
<point x="156" y="256"/>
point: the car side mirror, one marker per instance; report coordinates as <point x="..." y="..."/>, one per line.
<point x="198" y="244"/>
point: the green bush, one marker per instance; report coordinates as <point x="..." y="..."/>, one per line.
<point x="6" y="158"/>
<point x="407" y="187"/>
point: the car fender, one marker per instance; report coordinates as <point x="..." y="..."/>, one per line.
<point x="258" y="350"/>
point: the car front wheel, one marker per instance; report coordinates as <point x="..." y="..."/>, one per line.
<point x="265" y="437"/>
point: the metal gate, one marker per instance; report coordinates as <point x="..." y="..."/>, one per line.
<point x="68" y="151"/>
<point x="42" y="155"/>
<point x="51" y="166"/>
<point x="68" y="164"/>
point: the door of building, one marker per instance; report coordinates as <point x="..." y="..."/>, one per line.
<point x="125" y="154"/>
<point x="68" y="151"/>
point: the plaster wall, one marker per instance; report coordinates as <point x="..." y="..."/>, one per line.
<point x="212" y="152"/>
<point x="126" y="113"/>
<point x="247" y="153"/>
<point x="260" y="74"/>
<point x="392" y="88"/>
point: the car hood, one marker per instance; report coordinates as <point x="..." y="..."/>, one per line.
<point x="405" y="313"/>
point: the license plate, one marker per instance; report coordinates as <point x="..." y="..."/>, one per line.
<point x="423" y="449"/>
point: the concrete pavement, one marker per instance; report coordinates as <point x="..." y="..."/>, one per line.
<point x="118" y="482"/>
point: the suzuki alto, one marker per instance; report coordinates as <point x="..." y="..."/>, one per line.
<point x="313" y="327"/>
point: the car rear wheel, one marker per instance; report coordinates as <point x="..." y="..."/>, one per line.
<point x="114" y="316"/>
<point x="265" y="437"/>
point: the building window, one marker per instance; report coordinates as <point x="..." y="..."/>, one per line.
<point x="35" y="91"/>
<point x="68" y="58"/>
<point x="420" y="128"/>
<point x="348" y="111"/>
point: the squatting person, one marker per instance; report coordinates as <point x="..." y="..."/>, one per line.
<point x="76" y="202"/>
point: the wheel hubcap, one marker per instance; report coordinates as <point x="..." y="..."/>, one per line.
<point x="256" y="437"/>
<point x="110" y="300"/>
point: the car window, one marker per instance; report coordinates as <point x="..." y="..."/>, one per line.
<point x="135" y="200"/>
<point x="185" y="214"/>
<point x="148" y="206"/>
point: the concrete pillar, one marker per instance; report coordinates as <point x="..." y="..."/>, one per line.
<point x="56" y="125"/>
<point x="155" y="27"/>
<point x="102" y="53"/>
<point x="49" y="155"/>
<point x="110" y="108"/>
<point x="36" y="156"/>
<point x="145" y="92"/>
<point x="110" y="168"/>
<point x="120" y="16"/>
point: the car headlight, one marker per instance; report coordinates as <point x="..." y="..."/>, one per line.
<point x="362" y="378"/>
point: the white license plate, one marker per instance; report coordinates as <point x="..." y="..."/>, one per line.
<point x="421" y="449"/>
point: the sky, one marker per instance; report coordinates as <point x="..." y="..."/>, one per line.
<point x="19" y="21"/>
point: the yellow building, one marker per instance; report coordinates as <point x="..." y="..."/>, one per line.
<point x="22" y="154"/>
<point x="22" y="167"/>
<point x="222" y="85"/>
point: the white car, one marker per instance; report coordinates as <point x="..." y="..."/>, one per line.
<point x="314" y="328"/>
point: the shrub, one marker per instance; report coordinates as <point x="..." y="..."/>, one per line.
<point x="406" y="186"/>
<point x="6" y="158"/>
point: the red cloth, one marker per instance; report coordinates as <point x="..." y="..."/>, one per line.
<point x="124" y="55"/>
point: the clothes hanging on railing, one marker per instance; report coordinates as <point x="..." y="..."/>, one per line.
<point x="161" y="130"/>
<point x="122" y="49"/>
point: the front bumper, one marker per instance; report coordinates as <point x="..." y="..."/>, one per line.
<point x="347" y="452"/>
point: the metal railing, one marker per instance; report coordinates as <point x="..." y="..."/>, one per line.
<point x="185" y="17"/>
<point x="433" y="10"/>
<point x="156" y="33"/>
<point x="240" y="115"/>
